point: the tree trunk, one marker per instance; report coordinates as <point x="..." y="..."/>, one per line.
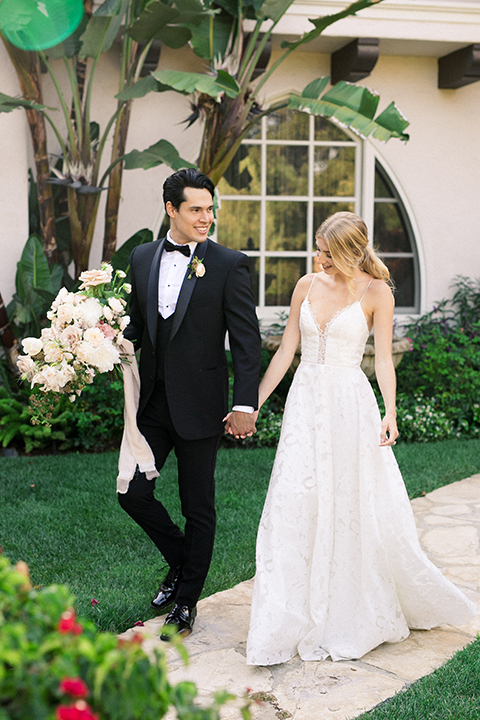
<point x="8" y="339"/>
<point x="115" y="184"/>
<point x="26" y="65"/>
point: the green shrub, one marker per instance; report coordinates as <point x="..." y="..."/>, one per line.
<point x="97" y="415"/>
<point x="443" y="369"/>
<point x="53" y="665"/>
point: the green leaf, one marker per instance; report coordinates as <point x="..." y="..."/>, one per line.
<point x="69" y="47"/>
<point x="356" y="97"/>
<point x="322" y="23"/>
<point x="222" y="28"/>
<point x="121" y="258"/>
<point x="157" y="15"/>
<point x="9" y="103"/>
<point x="32" y="269"/>
<point x="174" y="37"/>
<point x="102" y="29"/>
<point x="315" y="88"/>
<point x="353" y="107"/>
<point x="160" y="153"/>
<point x="109" y="8"/>
<point x="141" y="88"/>
<point x="273" y="9"/>
<point x="187" y="83"/>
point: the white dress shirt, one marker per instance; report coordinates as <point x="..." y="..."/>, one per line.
<point x="173" y="267"/>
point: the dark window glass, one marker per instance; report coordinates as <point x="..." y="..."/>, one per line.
<point x="391" y="235"/>
<point x="402" y="272"/>
<point x="287" y="125"/>
<point x="325" y="131"/>
<point x="281" y="276"/>
<point x="286" y="225"/>
<point x="334" y="171"/>
<point x="287" y="170"/>
<point x="381" y="188"/>
<point x="239" y="224"/>
<point x="242" y="176"/>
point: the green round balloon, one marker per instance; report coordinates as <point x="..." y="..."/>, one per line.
<point x="39" y="24"/>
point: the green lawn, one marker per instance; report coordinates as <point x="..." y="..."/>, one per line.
<point x="60" y="514"/>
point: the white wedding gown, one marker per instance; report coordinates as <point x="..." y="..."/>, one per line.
<point x="339" y="565"/>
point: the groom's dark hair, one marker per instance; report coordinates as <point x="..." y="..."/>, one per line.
<point x="174" y="186"/>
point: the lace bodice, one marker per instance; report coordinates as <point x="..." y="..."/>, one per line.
<point x="342" y="342"/>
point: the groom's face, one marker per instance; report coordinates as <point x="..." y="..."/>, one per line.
<point x="192" y="221"/>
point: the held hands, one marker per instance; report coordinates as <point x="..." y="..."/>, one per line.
<point x="240" y="424"/>
<point x="389" y="431"/>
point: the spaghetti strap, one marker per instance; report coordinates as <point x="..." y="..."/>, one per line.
<point x="311" y="284"/>
<point x="365" y="290"/>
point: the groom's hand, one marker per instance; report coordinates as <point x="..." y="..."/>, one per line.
<point x="240" y="424"/>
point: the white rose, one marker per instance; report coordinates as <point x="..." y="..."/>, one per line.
<point x="116" y="305"/>
<point x="63" y="292"/>
<point x="53" y="353"/>
<point x="92" y="278"/>
<point x="47" y="334"/>
<point x="50" y="378"/>
<point x="70" y="336"/>
<point x="94" y="336"/>
<point x="65" y="313"/>
<point x="121" y="274"/>
<point x="32" y="346"/>
<point x="85" y="353"/>
<point x="107" y="313"/>
<point x="127" y="287"/>
<point x="89" y="312"/>
<point x="105" y="357"/>
<point x="124" y="321"/>
<point x="200" y="270"/>
<point x="26" y="366"/>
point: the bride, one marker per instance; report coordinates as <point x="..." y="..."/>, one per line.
<point x="339" y="565"/>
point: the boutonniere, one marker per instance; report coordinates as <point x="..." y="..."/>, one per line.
<point x="196" y="266"/>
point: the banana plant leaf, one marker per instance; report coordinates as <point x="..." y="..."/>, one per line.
<point x="9" y="103"/>
<point x="187" y="82"/>
<point x="103" y="28"/>
<point x="273" y="9"/>
<point x="141" y="88"/>
<point x="158" y="16"/>
<point x="161" y="153"/>
<point x="354" y="107"/>
<point x="322" y="23"/>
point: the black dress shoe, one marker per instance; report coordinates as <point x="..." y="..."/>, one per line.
<point x="180" y="620"/>
<point x="167" y="590"/>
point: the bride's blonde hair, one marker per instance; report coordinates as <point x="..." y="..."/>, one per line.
<point x="347" y="238"/>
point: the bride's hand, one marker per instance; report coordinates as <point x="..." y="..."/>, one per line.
<point x="389" y="431"/>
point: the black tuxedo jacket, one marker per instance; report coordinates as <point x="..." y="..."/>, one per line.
<point x="196" y="372"/>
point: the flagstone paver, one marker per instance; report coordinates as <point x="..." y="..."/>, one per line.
<point x="448" y="522"/>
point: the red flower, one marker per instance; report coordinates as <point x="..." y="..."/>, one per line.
<point x="67" y="624"/>
<point x="93" y="602"/>
<point x="74" y="686"/>
<point x="137" y="639"/>
<point x="79" y="711"/>
<point x="139" y="623"/>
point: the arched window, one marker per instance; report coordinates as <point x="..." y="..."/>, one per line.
<point x="290" y="174"/>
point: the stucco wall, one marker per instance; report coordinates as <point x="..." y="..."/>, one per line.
<point x="14" y="139"/>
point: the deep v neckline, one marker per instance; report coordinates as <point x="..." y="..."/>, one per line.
<point x="325" y="330"/>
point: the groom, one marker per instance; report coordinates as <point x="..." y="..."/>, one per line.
<point x="187" y="292"/>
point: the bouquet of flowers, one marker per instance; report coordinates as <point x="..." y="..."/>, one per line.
<point x="83" y="339"/>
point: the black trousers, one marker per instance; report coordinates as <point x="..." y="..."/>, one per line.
<point x="192" y="549"/>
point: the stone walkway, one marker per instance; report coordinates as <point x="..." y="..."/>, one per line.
<point x="448" y="521"/>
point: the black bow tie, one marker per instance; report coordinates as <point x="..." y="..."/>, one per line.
<point x="170" y="247"/>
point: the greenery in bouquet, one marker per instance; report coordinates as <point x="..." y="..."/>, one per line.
<point x="83" y="340"/>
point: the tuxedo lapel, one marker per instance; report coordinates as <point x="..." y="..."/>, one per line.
<point x="152" y="294"/>
<point x="187" y="289"/>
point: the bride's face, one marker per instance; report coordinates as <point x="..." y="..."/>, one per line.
<point x="324" y="258"/>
